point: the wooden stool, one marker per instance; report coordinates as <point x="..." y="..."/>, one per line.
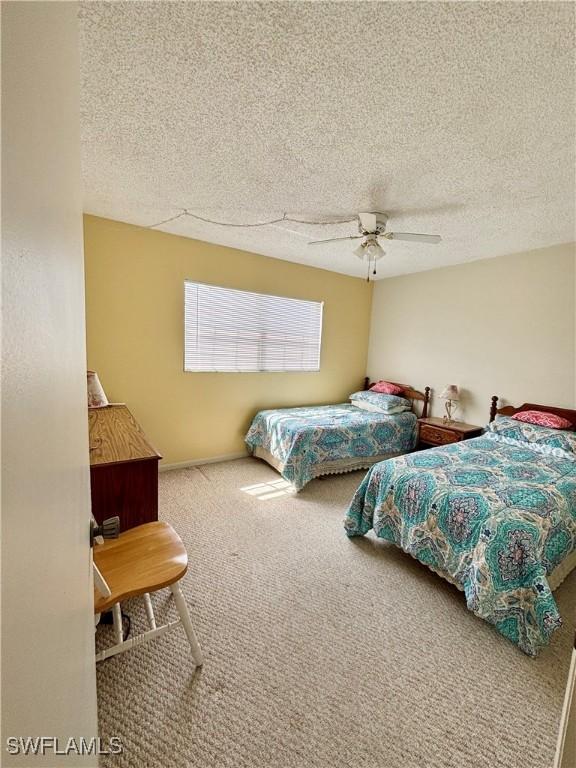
<point x="140" y="561"/>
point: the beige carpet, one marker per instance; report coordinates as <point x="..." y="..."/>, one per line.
<point x="321" y="651"/>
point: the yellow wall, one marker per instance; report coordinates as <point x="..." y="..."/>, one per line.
<point x="135" y="335"/>
<point x="502" y="326"/>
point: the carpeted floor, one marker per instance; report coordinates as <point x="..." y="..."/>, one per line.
<point x="320" y="651"/>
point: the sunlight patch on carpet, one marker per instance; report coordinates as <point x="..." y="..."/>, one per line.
<point x="270" y="490"/>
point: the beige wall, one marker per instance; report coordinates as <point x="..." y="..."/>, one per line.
<point x="135" y="320"/>
<point x="48" y="671"/>
<point x="501" y="326"/>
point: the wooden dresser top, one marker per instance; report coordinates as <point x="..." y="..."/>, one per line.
<point x="454" y="426"/>
<point x="116" y="437"/>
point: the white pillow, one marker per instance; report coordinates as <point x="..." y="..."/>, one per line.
<point x="375" y="409"/>
<point x="384" y="403"/>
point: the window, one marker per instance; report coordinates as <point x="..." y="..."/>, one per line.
<point x="229" y="330"/>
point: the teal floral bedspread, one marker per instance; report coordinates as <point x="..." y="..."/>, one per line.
<point x="303" y="438"/>
<point x="495" y="515"/>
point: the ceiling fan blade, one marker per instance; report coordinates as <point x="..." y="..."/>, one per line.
<point x="413" y="237"/>
<point x="334" y="239"/>
<point x="368" y="221"/>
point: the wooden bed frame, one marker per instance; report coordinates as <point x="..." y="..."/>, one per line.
<point x="409" y="394"/>
<point x="510" y="410"/>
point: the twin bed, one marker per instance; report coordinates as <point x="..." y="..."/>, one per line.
<point x="305" y="443"/>
<point x="494" y="515"/>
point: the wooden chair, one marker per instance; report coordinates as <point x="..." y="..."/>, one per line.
<point x="140" y="561"/>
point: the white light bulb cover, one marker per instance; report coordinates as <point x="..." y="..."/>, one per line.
<point x="369" y="250"/>
<point x="374" y="251"/>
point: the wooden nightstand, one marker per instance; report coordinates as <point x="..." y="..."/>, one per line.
<point x="434" y="431"/>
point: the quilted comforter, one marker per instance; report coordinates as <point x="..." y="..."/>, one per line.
<point x="302" y="439"/>
<point x="493" y="515"/>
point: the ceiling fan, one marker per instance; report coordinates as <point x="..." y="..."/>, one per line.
<point x="372" y="226"/>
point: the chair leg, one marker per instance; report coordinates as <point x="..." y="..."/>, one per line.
<point x="117" y="621"/>
<point x="149" y="610"/>
<point x="182" y="609"/>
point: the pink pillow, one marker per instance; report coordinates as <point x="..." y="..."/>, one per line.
<point x="543" y="419"/>
<point x="386" y="388"/>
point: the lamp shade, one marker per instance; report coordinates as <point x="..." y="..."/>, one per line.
<point x="96" y="395"/>
<point x="450" y="392"/>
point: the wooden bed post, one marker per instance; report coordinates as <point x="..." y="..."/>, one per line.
<point x="493" y="407"/>
<point x="426" y="401"/>
<point x="366" y="382"/>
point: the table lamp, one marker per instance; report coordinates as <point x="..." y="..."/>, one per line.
<point x="451" y="395"/>
<point x="96" y="395"/>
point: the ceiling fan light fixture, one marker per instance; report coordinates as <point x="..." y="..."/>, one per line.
<point x="369" y="250"/>
<point x="374" y="251"/>
<point x="371" y="227"/>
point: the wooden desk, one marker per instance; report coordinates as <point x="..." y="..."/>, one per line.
<point x="123" y="468"/>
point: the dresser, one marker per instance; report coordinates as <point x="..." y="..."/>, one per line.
<point x="434" y="431"/>
<point x="123" y="468"/>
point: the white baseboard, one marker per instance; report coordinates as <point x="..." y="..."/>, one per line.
<point x="199" y="462"/>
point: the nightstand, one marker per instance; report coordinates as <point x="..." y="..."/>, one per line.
<point x="434" y="431"/>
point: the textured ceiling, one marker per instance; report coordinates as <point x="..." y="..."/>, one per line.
<point x="454" y="118"/>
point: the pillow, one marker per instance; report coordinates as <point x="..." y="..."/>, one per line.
<point x="382" y="403"/>
<point x="375" y="409"/>
<point x="533" y="434"/>
<point x="386" y="388"/>
<point x="543" y="419"/>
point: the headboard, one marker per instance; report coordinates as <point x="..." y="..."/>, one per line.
<point x="409" y="394"/>
<point x="510" y="410"/>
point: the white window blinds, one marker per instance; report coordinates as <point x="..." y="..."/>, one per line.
<point x="229" y="330"/>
